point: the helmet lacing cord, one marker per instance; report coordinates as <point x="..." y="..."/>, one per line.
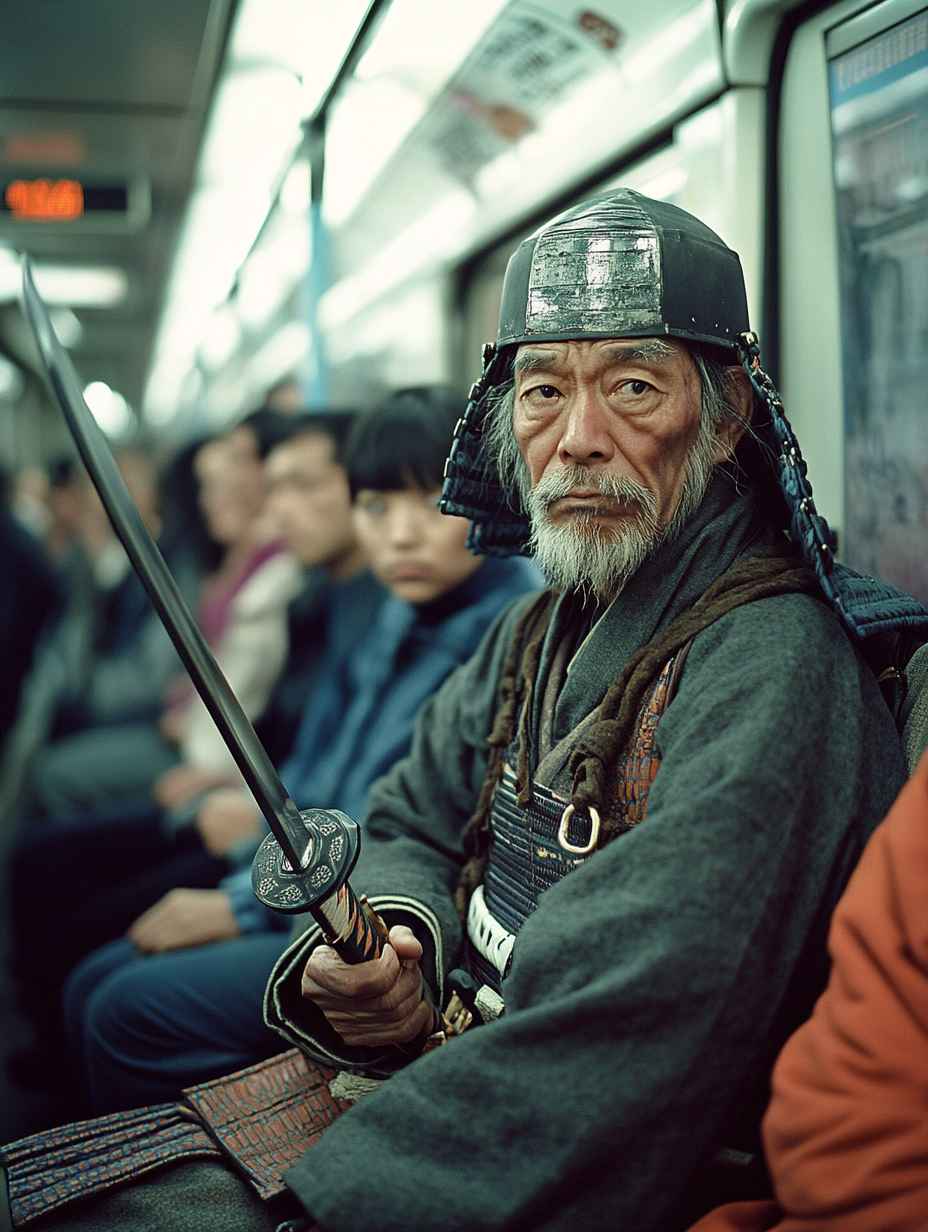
<point x="865" y="606"/>
<point x="808" y="529"/>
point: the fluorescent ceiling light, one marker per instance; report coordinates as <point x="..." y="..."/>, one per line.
<point x="282" y="57"/>
<point x="67" y="327"/>
<point x="273" y="269"/>
<point x="414" y="251"/>
<point x="222" y="337"/>
<point x="414" y="53"/>
<point x="81" y="286"/>
<point x="109" y="408"/>
<point x="77" y="286"/>
<point x="280" y="355"/>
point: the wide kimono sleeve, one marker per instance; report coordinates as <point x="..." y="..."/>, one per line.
<point x="652" y="987"/>
<point x="411" y="850"/>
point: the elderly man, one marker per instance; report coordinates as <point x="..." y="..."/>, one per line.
<point x="645" y="792"/>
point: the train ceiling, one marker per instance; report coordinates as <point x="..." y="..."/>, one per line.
<point x="111" y="95"/>
<point x="180" y="124"/>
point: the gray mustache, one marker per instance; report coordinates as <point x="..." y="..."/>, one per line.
<point x="618" y="487"/>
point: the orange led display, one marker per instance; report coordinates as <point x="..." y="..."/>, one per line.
<point x="45" y="200"/>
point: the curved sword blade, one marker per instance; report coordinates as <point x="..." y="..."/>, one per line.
<point x="257" y="769"/>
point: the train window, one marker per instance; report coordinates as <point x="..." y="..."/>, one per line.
<point x="879" y="112"/>
<point x="711" y="166"/>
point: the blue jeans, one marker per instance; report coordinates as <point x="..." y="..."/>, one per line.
<point x="143" y="1028"/>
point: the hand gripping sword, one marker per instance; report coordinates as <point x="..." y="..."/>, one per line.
<point x="305" y="862"/>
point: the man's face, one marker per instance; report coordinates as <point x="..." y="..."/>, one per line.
<point x="309" y="500"/>
<point x="610" y="434"/>
<point x="628" y="409"/>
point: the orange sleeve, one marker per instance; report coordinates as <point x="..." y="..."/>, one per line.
<point x="846" y="1133"/>
<point x="741" y="1217"/>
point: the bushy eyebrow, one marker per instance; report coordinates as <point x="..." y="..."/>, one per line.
<point x="653" y="350"/>
<point x="647" y="351"/>
<point x="529" y="361"/>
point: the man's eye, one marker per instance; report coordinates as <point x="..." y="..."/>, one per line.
<point x="635" y="388"/>
<point x="543" y="392"/>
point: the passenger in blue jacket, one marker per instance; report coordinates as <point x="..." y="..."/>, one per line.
<point x="157" y="1011"/>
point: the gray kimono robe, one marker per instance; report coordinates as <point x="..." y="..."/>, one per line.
<point x="652" y="987"/>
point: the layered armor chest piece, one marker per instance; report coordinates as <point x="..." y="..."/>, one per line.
<point x="533" y="848"/>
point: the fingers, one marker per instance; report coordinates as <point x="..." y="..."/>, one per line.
<point x="381" y="1035"/>
<point x="183" y="918"/>
<point x="385" y="1012"/>
<point x="328" y="975"/>
<point x="375" y="1003"/>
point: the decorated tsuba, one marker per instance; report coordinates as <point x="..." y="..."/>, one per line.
<point x="334" y="842"/>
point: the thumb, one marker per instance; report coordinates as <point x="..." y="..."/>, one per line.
<point x="405" y="942"/>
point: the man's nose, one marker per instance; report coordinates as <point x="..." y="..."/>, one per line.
<point x="585" y="437"/>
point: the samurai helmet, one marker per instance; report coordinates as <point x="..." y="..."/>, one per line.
<point x="624" y="266"/>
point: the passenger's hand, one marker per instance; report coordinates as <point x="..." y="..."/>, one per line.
<point x="374" y="1003"/>
<point x="175" y="787"/>
<point x="183" y="918"/>
<point x="224" y="819"/>
<point x="173" y="723"/>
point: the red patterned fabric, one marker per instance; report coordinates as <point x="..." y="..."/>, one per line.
<point x="264" y="1117"/>
<point x="642" y="758"/>
<point x="267" y="1116"/>
<point x="52" y="1168"/>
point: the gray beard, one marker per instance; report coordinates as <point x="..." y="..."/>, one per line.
<point x="580" y="553"/>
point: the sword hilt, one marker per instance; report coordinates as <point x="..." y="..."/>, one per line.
<point x="349" y="924"/>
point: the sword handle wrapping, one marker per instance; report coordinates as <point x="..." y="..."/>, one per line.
<point x="357" y="934"/>
<point x="351" y="926"/>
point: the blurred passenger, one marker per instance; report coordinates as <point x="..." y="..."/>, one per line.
<point x="106" y="871"/>
<point x="28" y="593"/>
<point x="64" y="506"/>
<point x="28" y="500"/>
<point x="147" y="1027"/>
<point x="845" y="1132"/>
<point x="242" y="612"/>
<point x="104" y="659"/>
<point x="121" y="660"/>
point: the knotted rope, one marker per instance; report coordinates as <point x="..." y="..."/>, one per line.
<point x="777" y="571"/>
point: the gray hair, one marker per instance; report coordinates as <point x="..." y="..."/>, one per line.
<point x="601" y="563"/>
<point x="500" y="442"/>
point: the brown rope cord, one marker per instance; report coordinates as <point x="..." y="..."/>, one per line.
<point x="777" y="571"/>
<point x="773" y="572"/>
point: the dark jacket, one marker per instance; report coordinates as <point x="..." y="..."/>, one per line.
<point x="652" y="987"/>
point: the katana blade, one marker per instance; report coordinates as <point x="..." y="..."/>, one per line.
<point x="258" y="771"/>
<point x="305" y="862"/>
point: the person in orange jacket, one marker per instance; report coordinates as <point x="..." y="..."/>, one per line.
<point x="846" y="1133"/>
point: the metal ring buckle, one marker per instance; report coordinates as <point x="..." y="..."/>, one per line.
<point x="565" y="842"/>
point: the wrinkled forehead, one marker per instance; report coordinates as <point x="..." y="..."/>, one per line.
<point x="551" y="356"/>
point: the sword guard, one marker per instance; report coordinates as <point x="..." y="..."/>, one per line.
<point x="332" y="851"/>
